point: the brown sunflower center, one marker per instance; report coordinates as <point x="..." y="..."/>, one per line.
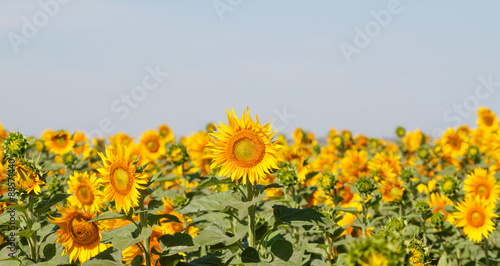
<point x="247" y="149"/>
<point x="82" y="232"/>
<point x="61" y="140"/>
<point x="84" y="194"/>
<point x="455" y="142"/>
<point x="152" y="145"/>
<point x="483" y="191"/>
<point x="476" y="218"/>
<point x="488" y="120"/>
<point x="121" y="181"/>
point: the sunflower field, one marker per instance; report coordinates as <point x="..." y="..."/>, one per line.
<point x="239" y="193"/>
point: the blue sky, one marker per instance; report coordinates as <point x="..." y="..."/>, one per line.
<point x="423" y="69"/>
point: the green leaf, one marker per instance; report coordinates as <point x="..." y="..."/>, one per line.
<point x="311" y="175"/>
<point x="209" y="260"/>
<point x="155" y="218"/>
<point x="273" y="185"/>
<point x="43" y="206"/>
<point x="443" y="261"/>
<point x="137" y="261"/>
<point x="49" y="251"/>
<point x="20" y="208"/>
<point x="176" y="240"/>
<point x="449" y="170"/>
<point x="250" y="255"/>
<point x="352" y="210"/>
<point x="284" y="214"/>
<point x="109" y="216"/>
<point x="125" y="239"/>
<point x="214" y="202"/>
<point x="282" y="249"/>
<point x="168" y="177"/>
<point x="214" y="181"/>
<point x="26" y="233"/>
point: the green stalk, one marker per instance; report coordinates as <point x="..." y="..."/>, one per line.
<point x="31" y="221"/>
<point x="144" y="224"/>
<point x="485" y="247"/>
<point x="251" y="215"/>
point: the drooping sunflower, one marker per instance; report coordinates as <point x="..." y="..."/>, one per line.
<point x="28" y="178"/>
<point x="59" y="142"/>
<point x="475" y="215"/>
<point x="122" y="183"/>
<point x="454" y="143"/>
<point x="243" y="149"/>
<point x="487" y="119"/>
<point x="81" y="240"/>
<point x="482" y="183"/>
<point x="87" y="195"/>
<point x="153" y="146"/>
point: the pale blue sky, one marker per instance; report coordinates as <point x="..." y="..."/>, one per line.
<point x="269" y="55"/>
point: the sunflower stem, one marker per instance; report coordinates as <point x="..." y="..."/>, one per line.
<point x="31" y="220"/>
<point x="251" y="215"/>
<point x="144" y="224"/>
<point x="485" y="247"/>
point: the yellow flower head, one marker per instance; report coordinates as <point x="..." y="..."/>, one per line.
<point x="59" y="142"/>
<point x="81" y="240"/>
<point x="27" y="178"/>
<point x="438" y="202"/>
<point x="475" y="216"/>
<point x="454" y="143"/>
<point x="392" y="190"/>
<point x="413" y="140"/>
<point x="122" y="183"/>
<point x="86" y="195"/>
<point x="487" y="119"/>
<point x="153" y="146"/>
<point x="482" y="183"/>
<point x="243" y="148"/>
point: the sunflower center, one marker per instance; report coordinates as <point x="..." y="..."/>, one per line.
<point x="447" y="185"/>
<point x="476" y="218"/>
<point x="394" y="192"/>
<point x="247" y="149"/>
<point x="152" y="145"/>
<point x="84" y="194"/>
<point x="82" y="232"/>
<point x="455" y="142"/>
<point x="483" y="191"/>
<point x="60" y="140"/>
<point x="488" y="120"/>
<point x="121" y="181"/>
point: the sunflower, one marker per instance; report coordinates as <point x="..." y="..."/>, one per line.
<point x="28" y="178"/>
<point x="392" y="189"/>
<point x="81" y="240"/>
<point x="454" y="143"/>
<point x="243" y="149"/>
<point x="385" y="157"/>
<point x="3" y="133"/>
<point x="119" y="176"/>
<point x="166" y="133"/>
<point x="438" y="202"/>
<point x="413" y="140"/>
<point x="81" y="144"/>
<point x="59" y="142"/>
<point x="475" y="215"/>
<point x="354" y="164"/>
<point x="121" y="139"/>
<point x="482" y="183"/>
<point x="198" y="150"/>
<point x="487" y="119"/>
<point x="153" y="146"/>
<point x="374" y="259"/>
<point x="86" y="195"/>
